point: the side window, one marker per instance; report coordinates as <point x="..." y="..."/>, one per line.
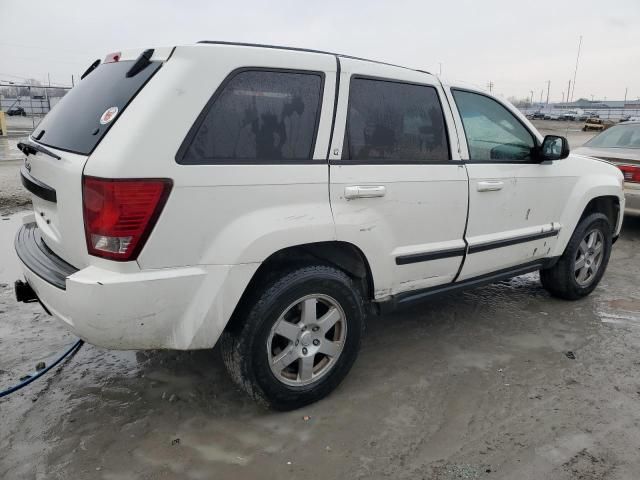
<point x="492" y="131"/>
<point x="259" y="116"/>
<point x="394" y="122"/>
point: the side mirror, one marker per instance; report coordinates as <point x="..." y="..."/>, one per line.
<point x="554" y="148"/>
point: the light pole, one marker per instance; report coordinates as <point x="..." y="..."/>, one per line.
<point x="575" y="72"/>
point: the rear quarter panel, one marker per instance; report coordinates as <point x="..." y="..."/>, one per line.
<point x="219" y="214"/>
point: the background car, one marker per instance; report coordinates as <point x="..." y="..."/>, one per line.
<point x="16" y="111"/>
<point x="597" y="124"/>
<point x="571" y="115"/>
<point x="620" y="145"/>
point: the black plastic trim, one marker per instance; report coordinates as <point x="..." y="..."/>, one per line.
<point x="425" y="257"/>
<point x="35" y="186"/>
<point x="504" y="274"/>
<point x="511" y="241"/>
<point x="39" y="258"/>
<point x="193" y="131"/>
<point x="335" y="107"/>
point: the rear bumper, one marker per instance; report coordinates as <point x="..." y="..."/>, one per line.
<point x="632" y="199"/>
<point x="178" y="308"/>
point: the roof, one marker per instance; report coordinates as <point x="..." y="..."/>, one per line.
<point x="308" y="50"/>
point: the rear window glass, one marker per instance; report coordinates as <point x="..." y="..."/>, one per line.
<point x="259" y="116"/>
<point x="74" y="124"/>
<point x="620" y="136"/>
<point x="394" y="122"/>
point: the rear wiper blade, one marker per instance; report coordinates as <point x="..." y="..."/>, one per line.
<point x="91" y="68"/>
<point x="30" y="148"/>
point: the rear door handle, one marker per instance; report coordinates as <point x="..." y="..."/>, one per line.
<point x="364" y="191"/>
<point x="490" y="186"/>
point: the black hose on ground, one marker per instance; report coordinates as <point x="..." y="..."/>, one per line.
<point x="71" y="351"/>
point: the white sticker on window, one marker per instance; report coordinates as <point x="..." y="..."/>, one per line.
<point x="108" y="115"/>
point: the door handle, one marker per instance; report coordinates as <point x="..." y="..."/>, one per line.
<point x="490" y="186"/>
<point x="364" y="191"/>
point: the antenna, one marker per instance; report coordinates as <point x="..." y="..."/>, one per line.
<point x="575" y="72"/>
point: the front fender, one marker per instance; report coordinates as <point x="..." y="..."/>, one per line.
<point x="600" y="180"/>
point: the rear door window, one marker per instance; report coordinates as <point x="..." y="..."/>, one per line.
<point x="84" y="115"/>
<point x="258" y="116"/>
<point x="391" y="122"/>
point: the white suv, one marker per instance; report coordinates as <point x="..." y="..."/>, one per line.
<point x="274" y="197"/>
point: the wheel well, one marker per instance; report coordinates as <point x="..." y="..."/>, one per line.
<point x="610" y="206"/>
<point x="342" y="255"/>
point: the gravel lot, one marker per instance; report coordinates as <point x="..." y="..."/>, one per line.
<point x="502" y="382"/>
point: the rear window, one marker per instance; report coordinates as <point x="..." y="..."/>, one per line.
<point x="620" y="136"/>
<point x="259" y="116"/>
<point x="74" y="124"/>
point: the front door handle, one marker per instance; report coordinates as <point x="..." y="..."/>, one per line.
<point x="364" y="191"/>
<point x="490" y="186"/>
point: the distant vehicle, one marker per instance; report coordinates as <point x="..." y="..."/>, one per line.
<point x="629" y="118"/>
<point x="571" y="115"/>
<point x="597" y="124"/>
<point x="16" y="111"/>
<point x="584" y="116"/>
<point x="552" y="115"/>
<point x="537" y="115"/>
<point x="620" y="145"/>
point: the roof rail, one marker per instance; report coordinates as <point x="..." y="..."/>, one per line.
<point x="308" y="50"/>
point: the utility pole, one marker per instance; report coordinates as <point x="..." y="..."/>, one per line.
<point x="548" y="88"/>
<point x="46" y="90"/>
<point x="72" y="82"/>
<point x="490" y="86"/>
<point x="33" y="121"/>
<point x="541" y="93"/>
<point x="625" y="94"/>
<point x="562" y="97"/>
<point x="568" y="91"/>
<point x="531" y="97"/>
<point x="575" y="72"/>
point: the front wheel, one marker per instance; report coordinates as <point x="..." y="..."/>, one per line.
<point x="297" y="338"/>
<point x="582" y="265"/>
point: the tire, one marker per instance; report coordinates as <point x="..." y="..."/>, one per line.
<point x="567" y="279"/>
<point x="250" y="349"/>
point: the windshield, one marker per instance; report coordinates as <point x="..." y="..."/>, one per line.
<point x="620" y="136"/>
<point x="83" y="116"/>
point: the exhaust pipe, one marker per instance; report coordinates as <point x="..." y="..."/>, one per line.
<point x="24" y="292"/>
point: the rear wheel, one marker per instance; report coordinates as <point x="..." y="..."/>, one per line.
<point x="584" y="261"/>
<point x="298" y="337"/>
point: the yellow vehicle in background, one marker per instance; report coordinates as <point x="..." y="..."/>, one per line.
<point x="597" y="124"/>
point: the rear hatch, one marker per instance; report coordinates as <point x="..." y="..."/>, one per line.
<point x="71" y="131"/>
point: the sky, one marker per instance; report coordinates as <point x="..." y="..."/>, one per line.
<point x="516" y="45"/>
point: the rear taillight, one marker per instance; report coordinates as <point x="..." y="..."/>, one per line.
<point x="119" y="214"/>
<point x="631" y="173"/>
